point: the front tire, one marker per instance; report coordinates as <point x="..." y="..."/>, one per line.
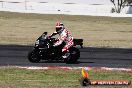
<point x="33" y="56"/>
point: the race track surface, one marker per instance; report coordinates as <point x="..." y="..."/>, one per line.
<point x="16" y="55"/>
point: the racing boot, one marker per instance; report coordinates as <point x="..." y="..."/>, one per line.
<point x="65" y="55"/>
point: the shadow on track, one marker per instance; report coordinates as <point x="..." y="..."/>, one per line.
<point x="78" y="62"/>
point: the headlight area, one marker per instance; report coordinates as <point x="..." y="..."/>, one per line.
<point x="36" y="42"/>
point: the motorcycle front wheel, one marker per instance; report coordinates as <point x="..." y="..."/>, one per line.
<point x="33" y="56"/>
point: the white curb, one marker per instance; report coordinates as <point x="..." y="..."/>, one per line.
<point x="76" y="68"/>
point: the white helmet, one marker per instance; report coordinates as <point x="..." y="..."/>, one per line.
<point x="59" y="27"/>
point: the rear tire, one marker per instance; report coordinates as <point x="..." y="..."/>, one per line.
<point x="74" y="55"/>
<point x="33" y="56"/>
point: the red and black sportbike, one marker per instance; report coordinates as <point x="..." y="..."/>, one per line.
<point x="44" y="50"/>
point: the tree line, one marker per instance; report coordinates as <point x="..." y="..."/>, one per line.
<point x="120" y="4"/>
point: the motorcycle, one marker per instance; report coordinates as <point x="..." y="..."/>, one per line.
<point x="44" y="50"/>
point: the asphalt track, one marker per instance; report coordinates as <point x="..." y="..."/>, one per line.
<point x="16" y="55"/>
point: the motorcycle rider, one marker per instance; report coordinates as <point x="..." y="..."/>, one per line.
<point x="65" y="36"/>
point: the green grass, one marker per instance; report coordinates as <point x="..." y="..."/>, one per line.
<point x="22" y="78"/>
<point x="24" y="28"/>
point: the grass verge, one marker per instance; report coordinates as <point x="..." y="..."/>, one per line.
<point x="22" y="78"/>
<point x="24" y="28"/>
